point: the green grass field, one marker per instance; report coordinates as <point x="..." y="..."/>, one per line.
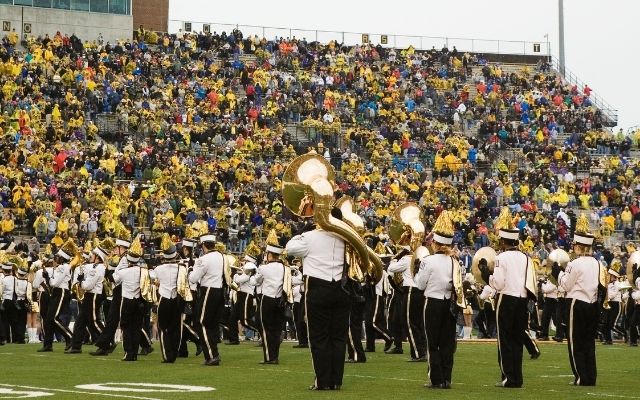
<point x="241" y="377"/>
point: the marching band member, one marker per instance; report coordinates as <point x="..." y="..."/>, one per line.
<point x="272" y="277"/>
<point x="297" y="282"/>
<point x="42" y="286"/>
<point x="60" y="297"/>
<point x="169" y="305"/>
<point x="208" y="273"/>
<point x="88" y="311"/>
<point x="550" y="292"/>
<point x="189" y="323"/>
<point x="615" y="298"/>
<point x="413" y="305"/>
<point x="15" y="288"/>
<point x="106" y="341"/>
<point x="327" y="305"/>
<point x="514" y="280"/>
<point x="131" y="317"/>
<point x="435" y="279"/>
<point x="581" y="281"/>
<point x="244" y="300"/>
<point x="634" y="303"/>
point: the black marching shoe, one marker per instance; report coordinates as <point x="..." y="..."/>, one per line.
<point x="112" y="348"/>
<point x="316" y="387"/>
<point x="232" y="343"/>
<point x="446" y="385"/>
<point x="198" y="349"/>
<point x="394" y="351"/>
<point x="146" y="351"/>
<point x="73" y="351"/>
<point x="387" y="345"/>
<point x="301" y="346"/>
<point x="100" y="352"/>
<point x="45" y="349"/>
<point x="67" y="344"/>
<point x="535" y="355"/>
<point x="433" y="386"/>
<point x="130" y="358"/>
<point x="270" y="362"/>
<point x="212" y="362"/>
<point x="421" y="359"/>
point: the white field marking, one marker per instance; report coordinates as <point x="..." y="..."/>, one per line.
<point x="144" y="387"/>
<point x="619" y="396"/>
<point x="19" y="394"/>
<point x="79" y="392"/>
<point x="555" y="376"/>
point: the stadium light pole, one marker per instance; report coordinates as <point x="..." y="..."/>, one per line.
<point x="561" y="35"/>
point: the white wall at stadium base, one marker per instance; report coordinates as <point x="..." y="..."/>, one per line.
<point x="86" y="25"/>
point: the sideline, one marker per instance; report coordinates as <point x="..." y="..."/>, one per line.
<point x="79" y="392"/>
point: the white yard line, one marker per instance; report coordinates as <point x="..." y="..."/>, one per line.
<point x="123" y="396"/>
<point x="618" y="396"/>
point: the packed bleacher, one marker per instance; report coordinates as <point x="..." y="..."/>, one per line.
<point x="169" y="131"/>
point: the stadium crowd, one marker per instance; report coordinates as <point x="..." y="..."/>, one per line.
<point x="203" y="135"/>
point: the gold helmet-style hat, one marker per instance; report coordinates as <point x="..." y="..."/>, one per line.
<point x="504" y="224"/>
<point x="443" y="229"/>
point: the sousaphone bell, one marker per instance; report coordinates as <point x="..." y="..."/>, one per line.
<point x="487" y="253"/>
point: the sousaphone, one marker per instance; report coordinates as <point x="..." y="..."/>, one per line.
<point x="487" y="253"/>
<point x="307" y="191"/>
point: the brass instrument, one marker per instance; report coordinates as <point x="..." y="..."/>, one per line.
<point x="230" y="262"/>
<point x="634" y="258"/>
<point x="556" y="256"/>
<point x="604" y="282"/>
<point x="182" y="285"/>
<point x="148" y="291"/>
<point x="346" y="206"/>
<point x="458" y="283"/>
<point x="487" y="253"/>
<point x="308" y="190"/>
<point x="407" y="228"/>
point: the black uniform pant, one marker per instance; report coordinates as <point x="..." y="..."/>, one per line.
<point x="57" y="305"/>
<point x="414" y="321"/>
<point x="613" y="314"/>
<point x="245" y="310"/>
<point x="633" y="316"/>
<point x="529" y="343"/>
<point x="272" y="317"/>
<point x="327" y="310"/>
<point x="14" y="320"/>
<point x="369" y="308"/>
<point x="232" y="322"/>
<point x="210" y="308"/>
<point x="440" y="326"/>
<point x="583" y="329"/>
<point x="396" y="320"/>
<point x="88" y="319"/>
<point x="300" y="322"/>
<point x="378" y="323"/>
<point x="107" y="337"/>
<point x="354" y="346"/>
<point x="131" y="325"/>
<point x="43" y="299"/>
<point x="511" y="317"/>
<point x="190" y="327"/>
<point x="561" y="318"/>
<point x="549" y="314"/>
<point x="169" y="327"/>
